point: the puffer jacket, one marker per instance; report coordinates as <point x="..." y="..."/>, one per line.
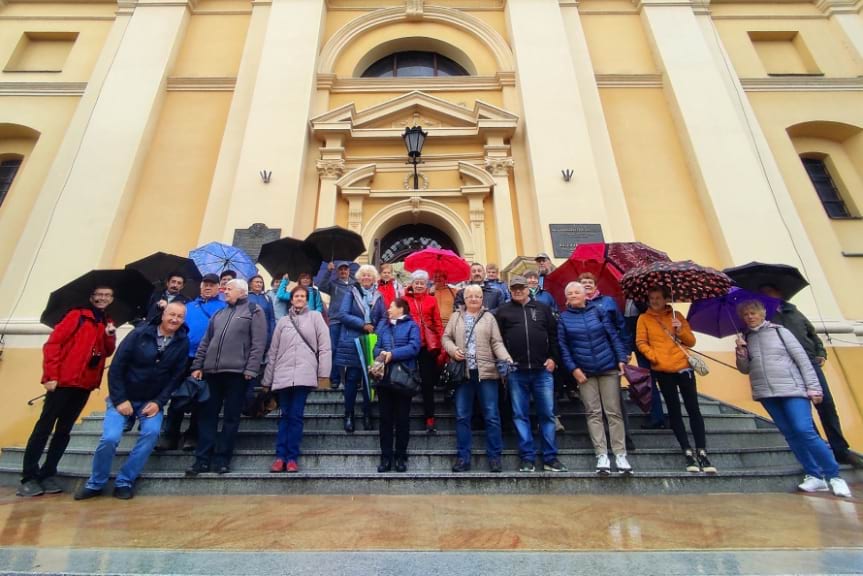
<point x="235" y="341"/>
<point x="777" y="364"/>
<point x="73" y="342"/>
<point x="402" y="339"/>
<point x="353" y="320"/>
<point x="292" y="362"/>
<point x="425" y="312"/>
<point x="657" y="346"/>
<point x="489" y="342"/>
<point x="589" y="340"/>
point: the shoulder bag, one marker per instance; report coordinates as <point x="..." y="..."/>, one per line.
<point x="697" y="364"/>
<point x="455" y="372"/>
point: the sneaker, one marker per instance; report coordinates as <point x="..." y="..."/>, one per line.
<point x="197" y="468"/>
<point x="704" y="463"/>
<point x="29" y="489"/>
<point x="494" y="465"/>
<point x="603" y="466"/>
<point x="558" y="427"/>
<point x="527" y="466"/>
<point x="554" y="466"/>
<point x="839" y="487"/>
<point x="123" y="493"/>
<point x="813" y="484"/>
<point x="622" y="464"/>
<point x="85" y="493"/>
<point x="691" y="462"/>
<point x="292" y="467"/>
<point x="461" y="466"/>
<point x="50" y="485"/>
<point x="277" y="466"/>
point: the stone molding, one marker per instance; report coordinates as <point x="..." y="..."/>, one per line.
<point x="498" y="166"/>
<point x="629" y="80"/>
<point x="331" y="169"/>
<point x="202" y="84"/>
<point x="831" y="7"/>
<point x="802" y="84"/>
<point x="439" y="84"/>
<point x="42" y="88"/>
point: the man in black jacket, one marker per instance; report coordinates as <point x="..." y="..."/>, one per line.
<point x="529" y="332"/>
<point x="174" y="284"/>
<point x="148" y="366"/>
<point x="492" y="297"/>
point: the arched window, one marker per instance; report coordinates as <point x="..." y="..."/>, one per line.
<point x="414" y="64"/>
<point x="8" y="169"/>
<point x="826" y="188"/>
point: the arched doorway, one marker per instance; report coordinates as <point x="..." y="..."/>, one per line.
<point x="404" y="240"/>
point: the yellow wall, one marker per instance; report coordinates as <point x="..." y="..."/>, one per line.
<point x="618" y="44"/>
<point x="213" y="46"/>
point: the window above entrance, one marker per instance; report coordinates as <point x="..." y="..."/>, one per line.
<point x="414" y="64"/>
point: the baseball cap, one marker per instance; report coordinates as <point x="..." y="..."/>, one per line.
<point x="542" y="255"/>
<point x="517" y="281"/>
<point x="210" y="278"/>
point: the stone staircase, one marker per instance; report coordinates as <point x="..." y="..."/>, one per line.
<point x="749" y="451"/>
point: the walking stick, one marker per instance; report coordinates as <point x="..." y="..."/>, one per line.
<point x="33" y="400"/>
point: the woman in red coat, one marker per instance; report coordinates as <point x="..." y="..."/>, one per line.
<point x="425" y="312"/>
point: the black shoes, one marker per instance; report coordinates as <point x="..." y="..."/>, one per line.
<point x="495" y="465"/>
<point x="385" y="466"/>
<point x="85" y="493"/>
<point x="461" y="466"/>
<point x="223" y="469"/>
<point x="401" y="465"/>
<point x="197" y="468"/>
<point x="50" y="486"/>
<point x="29" y="489"/>
<point x="349" y="424"/>
<point x="367" y="422"/>
<point x="691" y="462"/>
<point x="704" y="463"/>
<point x="123" y="493"/>
<point x="166" y="443"/>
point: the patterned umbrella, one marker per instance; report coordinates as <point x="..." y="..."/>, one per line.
<point x="686" y="280"/>
<point x="628" y="255"/>
<point x="434" y="260"/>
<point x="215" y="258"/>
<point x="754" y="275"/>
<point x="718" y="316"/>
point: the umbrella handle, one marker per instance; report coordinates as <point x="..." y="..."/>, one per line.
<point x="32" y="401"/>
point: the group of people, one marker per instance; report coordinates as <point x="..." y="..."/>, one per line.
<point x="506" y="344"/>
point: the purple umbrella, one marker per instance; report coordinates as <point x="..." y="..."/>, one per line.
<point x="718" y="316"/>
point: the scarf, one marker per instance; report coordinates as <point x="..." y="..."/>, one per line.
<point x="368" y="298"/>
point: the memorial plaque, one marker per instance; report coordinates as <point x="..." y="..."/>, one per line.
<point x="565" y="237"/>
<point x="252" y="238"/>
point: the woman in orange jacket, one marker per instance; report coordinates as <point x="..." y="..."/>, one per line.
<point x="661" y="335"/>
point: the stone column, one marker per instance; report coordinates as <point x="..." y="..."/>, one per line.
<point x="476" y="196"/>
<point x="555" y="124"/>
<point x="82" y="208"/>
<point x="499" y="164"/>
<point x="846" y="13"/>
<point x="277" y="134"/>
<point x="748" y="208"/>
<point x="331" y="167"/>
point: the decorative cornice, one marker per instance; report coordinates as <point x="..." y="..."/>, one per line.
<point x="802" y="84"/>
<point x="201" y="84"/>
<point x="439" y="84"/>
<point x="42" y="88"/>
<point x="629" y="80"/>
<point x="831" y="7"/>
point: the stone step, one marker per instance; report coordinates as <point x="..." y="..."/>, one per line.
<point x="446" y="421"/>
<point x="324" y="461"/>
<point x="445" y="439"/>
<point x="474" y="482"/>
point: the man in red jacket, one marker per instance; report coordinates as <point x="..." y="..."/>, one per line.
<point x="73" y="361"/>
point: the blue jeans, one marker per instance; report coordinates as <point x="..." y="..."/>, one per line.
<point x="793" y="417"/>
<point x="336" y="371"/>
<point x="112" y="432"/>
<point x="354" y="379"/>
<point x="464" y="395"/>
<point x="292" y="402"/>
<point x="540" y="384"/>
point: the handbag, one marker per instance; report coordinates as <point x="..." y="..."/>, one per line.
<point x="698" y="365"/>
<point x="401" y="379"/>
<point x="454" y="373"/>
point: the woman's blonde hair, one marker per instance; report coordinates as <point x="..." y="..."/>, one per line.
<point x="750" y="305"/>
<point x="368" y="269"/>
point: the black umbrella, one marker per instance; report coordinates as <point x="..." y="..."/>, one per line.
<point x="159" y="265"/>
<point x="131" y="293"/>
<point x="787" y="279"/>
<point x="337" y="243"/>
<point x="289" y="256"/>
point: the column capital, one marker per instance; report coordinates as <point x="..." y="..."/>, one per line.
<point x="831" y="7"/>
<point x="331" y="169"/>
<point x="499" y="166"/>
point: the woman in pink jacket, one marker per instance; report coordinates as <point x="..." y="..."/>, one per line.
<point x="300" y="355"/>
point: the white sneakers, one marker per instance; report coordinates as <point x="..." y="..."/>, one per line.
<point x="813" y="484"/>
<point x="622" y="464"/>
<point x="603" y="465"/>
<point x="839" y="487"/>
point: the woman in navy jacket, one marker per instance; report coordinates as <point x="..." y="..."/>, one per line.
<point x="398" y="341"/>
<point x="360" y="311"/>
<point x="594" y="354"/>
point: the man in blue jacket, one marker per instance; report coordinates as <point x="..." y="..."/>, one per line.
<point x="337" y="288"/>
<point x="198" y="314"/>
<point x="148" y="366"/>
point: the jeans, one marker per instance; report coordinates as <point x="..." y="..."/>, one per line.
<point x="464" y="395"/>
<point x="830" y="419"/>
<point x="336" y="371"/>
<point x="429" y="375"/>
<point x="292" y="402"/>
<point x="61" y="408"/>
<point x="793" y="417"/>
<point x="601" y="393"/>
<point x="540" y="384"/>
<point x="669" y="383"/>
<point x="395" y="410"/>
<point x="354" y="379"/>
<point x="112" y="432"/>
<point x="228" y="389"/>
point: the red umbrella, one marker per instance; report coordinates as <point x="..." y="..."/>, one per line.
<point x="434" y="260"/>
<point x="585" y="258"/>
<point x="628" y="255"/>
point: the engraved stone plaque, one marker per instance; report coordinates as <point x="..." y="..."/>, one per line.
<point x="252" y="238"/>
<point x="565" y="237"/>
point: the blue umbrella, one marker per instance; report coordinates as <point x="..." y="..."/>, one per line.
<point x="215" y="258"/>
<point x="718" y="316"/>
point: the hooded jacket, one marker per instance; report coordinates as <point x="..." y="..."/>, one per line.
<point x="589" y="340"/>
<point x="425" y="312"/>
<point x="656" y="344"/>
<point x="139" y="373"/>
<point x="235" y="341"/>
<point x="529" y="332"/>
<point x="338" y="290"/>
<point x="77" y="338"/>
<point x="292" y="362"/>
<point x="777" y="364"/>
